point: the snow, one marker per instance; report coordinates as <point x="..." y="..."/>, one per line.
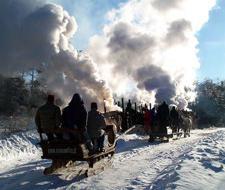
<point x="196" y="162"/>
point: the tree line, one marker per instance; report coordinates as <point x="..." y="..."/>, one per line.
<point x="18" y="95"/>
<point x="210" y="103"/>
<point x="21" y="95"/>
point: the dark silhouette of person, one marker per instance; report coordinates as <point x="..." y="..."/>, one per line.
<point x="95" y="125"/>
<point x="129" y="105"/>
<point x="147" y="120"/>
<point x="174" y="119"/>
<point x="74" y="116"/>
<point x="154" y="119"/>
<point x="163" y="117"/>
<point x="48" y="117"/>
<point x="129" y="114"/>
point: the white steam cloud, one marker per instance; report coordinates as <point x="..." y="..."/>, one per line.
<point x="37" y="36"/>
<point x="148" y="49"/>
<point x="150" y="46"/>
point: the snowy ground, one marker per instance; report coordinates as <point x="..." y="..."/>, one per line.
<point x="191" y="163"/>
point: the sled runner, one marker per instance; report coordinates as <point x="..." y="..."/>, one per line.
<point x="62" y="152"/>
<point x="160" y="136"/>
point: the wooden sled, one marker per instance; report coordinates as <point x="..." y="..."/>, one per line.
<point x="61" y="152"/>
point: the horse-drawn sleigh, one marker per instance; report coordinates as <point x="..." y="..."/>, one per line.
<point x="182" y="126"/>
<point x="62" y="151"/>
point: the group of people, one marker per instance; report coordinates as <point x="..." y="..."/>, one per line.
<point x="157" y="120"/>
<point x="90" y="125"/>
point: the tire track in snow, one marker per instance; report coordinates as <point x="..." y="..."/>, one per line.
<point x="139" y="168"/>
<point x="137" y="165"/>
<point x="167" y="177"/>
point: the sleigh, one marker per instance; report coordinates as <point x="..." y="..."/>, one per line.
<point x="156" y="134"/>
<point x="62" y="152"/>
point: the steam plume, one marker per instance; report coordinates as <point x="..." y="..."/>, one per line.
<point x="151" y="47"/>
<point x="148" y="49"/>
<point x="36" y="35"/>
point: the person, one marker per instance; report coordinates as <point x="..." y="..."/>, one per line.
<point x="95" y="125"/>
<point x="48" y="117"/>
<point x="129" y="114"/>
<point x="174" y="118"/>
<point x="147" y="120"/>
<point x="74" y="116"/>
<point x="153" y="119"/>
<point x="163" y="117"/>
<point x="153" y="124"/>
<point x="129" y="106"/>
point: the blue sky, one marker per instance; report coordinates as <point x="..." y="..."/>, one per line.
<point x="212" y="45"/>
<point x="90" y="16"/>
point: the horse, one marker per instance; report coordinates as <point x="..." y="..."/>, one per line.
<point x="174" y="125"/>
<point x="114" y="118"/>
<point x="186" y="124"/>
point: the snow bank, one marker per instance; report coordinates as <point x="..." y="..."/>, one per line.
<point x="20" y="146"/>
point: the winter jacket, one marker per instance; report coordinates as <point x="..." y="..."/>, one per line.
<point x="163" y="113"/>
<point x="174" y="115"/>
<point x="147" y="120"/>
<point x="95" y="124"/>
<point x="48" y="116"/>
<point x="74" y="116"/>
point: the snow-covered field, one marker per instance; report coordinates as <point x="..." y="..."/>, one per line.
<point x="197" y="162"/>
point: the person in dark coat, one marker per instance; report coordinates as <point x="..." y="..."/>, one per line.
<point x="147" y="120"/>
<point x="163" y="117"/>
<point x="129" y="114"/>
<point x="154" y="119"/>
<point x="174" y="119"/>
<point x="48" y="117"/>
<point x="74" y="116"/>
<point x="95" y="125"/>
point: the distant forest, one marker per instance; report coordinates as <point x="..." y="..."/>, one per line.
<point x="209" y="105"/>
<point x="20" y="97"/>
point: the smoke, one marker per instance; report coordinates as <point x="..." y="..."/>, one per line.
<point x="37" y="36"/>
<point x="147" y="51"/>
<point x="152" y="78"/>
<point x="150" y="46"/>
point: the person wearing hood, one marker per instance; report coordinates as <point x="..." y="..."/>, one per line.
<point x="74" y="116"/>
<point x="163" y="117"/>
<point x="174" y="119"/>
